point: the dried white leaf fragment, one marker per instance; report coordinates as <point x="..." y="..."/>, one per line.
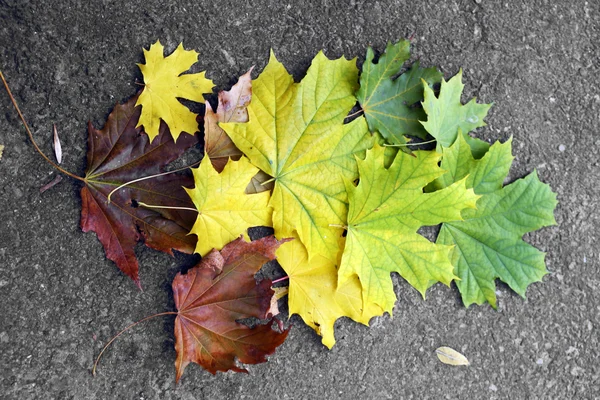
<point x="450" y="356"/>
<point x="57" y="147"/>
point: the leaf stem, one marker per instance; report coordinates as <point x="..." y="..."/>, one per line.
<point x="14" y="102"/>
<point x="150" y="177"/>
<point x="268" y="181"/>
<point x="123" y="331"/>
<point x="338" y="226"/>
<point x="408" y="144"/>
<point x="280" y="280"/>
<point x="354" y="113"/>
<point x="167" y="207"/>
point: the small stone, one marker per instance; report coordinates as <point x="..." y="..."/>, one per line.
<point x="572" y="350"/>
<point x="577" y="371"/>
<point x="493" y="388"/>
<point x="562" y="148"/>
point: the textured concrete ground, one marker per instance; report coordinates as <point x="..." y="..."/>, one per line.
<point x="69" y="62"/>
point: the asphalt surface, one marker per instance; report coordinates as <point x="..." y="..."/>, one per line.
<point x="69" y="62"/>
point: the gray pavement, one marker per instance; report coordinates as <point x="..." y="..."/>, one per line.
<point x="70" y="61"/>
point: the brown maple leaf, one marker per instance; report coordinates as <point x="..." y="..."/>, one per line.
<point x="232" y="107"/>
<point x="120" y="153"/>
<point x="213" y="296"/>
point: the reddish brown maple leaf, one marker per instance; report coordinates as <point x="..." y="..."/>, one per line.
<point x="213" y="296"/>
<point x="120" y="153"/>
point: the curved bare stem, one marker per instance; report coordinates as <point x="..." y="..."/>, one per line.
<point x="48" y="160"/>
<point x="125" y="330"/>
<point x="167" y="207"/>
<point x="149" y="177"/>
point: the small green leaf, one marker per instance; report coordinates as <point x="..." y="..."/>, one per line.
<point x="446" y="115"/>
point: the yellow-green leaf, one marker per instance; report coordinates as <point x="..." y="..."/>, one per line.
<point x="450" y="356"/>
<point x="314" y="294"/>
<point x="225" y="211"/>
<point x="164" y="84"/>
<point x="296" y="134"/>
<point x="386" y="209"/>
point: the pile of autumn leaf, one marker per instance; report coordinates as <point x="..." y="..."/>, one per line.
<point x="345" y="193"/>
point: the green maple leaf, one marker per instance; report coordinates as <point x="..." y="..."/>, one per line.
<point x="446" y="115"/>
<point x="386" y="209"/>
<point x="389" y="104"/>
<point x="488" y="242"/>
<point x="296" y="134"/>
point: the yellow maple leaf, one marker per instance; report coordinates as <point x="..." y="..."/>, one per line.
<point x="164" y="84"/>
<point x="296" y="134"/>
<point x="314" y="295"/>
<point x="225" y="211"/>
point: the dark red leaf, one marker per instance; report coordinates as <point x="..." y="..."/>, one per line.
<point x="120" y="153"/>
<point x="213" y="296"/>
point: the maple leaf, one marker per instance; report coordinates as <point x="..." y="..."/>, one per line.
<point x="120" y="153"/>
<point x="385" y="211"/>
<point x="296" y="134"/>
<point x="164" y="84"/>
<point x="389" y="104"/>
<point x="213" y="296"/>
<point x="446" y="115"/>
<point x="225" y="211"/>
<point x="232" y="107"/>
<point x="488" y="242"/>
<point x="314" y="293"/>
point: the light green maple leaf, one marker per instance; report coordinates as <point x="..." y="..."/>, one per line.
<point x="386" y="209"/>
<point x="388" y="104"/>
<point x="295" y="133"/>
<point x="488" y="242"/>
<point x="446" y="115"/>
